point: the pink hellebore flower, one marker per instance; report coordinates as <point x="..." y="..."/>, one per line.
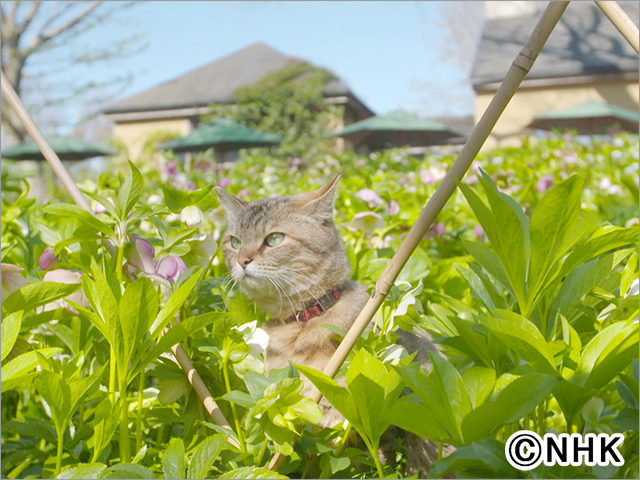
<point x="432" y="175"/>
<point x="478" y="231"/>
<point x="392" y="208"/>
<point x="142" y="255"/>
<point x="171" y="268"/>
<point x="243" y="193"/>
<point x="65" y="276"/>
<point x="99" y="208"/>
<point x="171" y="168"/>
<point x="224" y="182"/>
<point x="12" y="279"/>
<point x="202" y="164"/>
<point x="368" y="222"/>
<point x="48" y="259"/>
<point x="436" y="230"/>
<point x="297" y="161"/>
<point x="545" y="183"/>
<point x="371" y="197"/>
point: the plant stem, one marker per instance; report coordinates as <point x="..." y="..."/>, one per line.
<point x="343" y="442"/>
<point x="119" y="259"/>
<point x="262" y="450"/>
<point x="139" y="419"/>
<point x="112" y="375"/>
<point x="125" y="448"/>
<point x="59" y="454"/>
<point x="439" y="450"/>
<point x="227" y="384"/>
<point x="376" y="459"/>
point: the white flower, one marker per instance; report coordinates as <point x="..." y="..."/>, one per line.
<point x="191" y="216"/>
<point x="254" y="337"/>
<point x="368" y="222"/>
<point x="154" y="199"/>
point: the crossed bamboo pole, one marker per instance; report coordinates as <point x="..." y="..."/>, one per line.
<point x="519" y="68"/>
<point x="50" y="155"/>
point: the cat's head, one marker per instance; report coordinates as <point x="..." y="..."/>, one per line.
<point x="284" y="251"/>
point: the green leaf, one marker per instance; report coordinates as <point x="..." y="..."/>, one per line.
<point x="580" y="281"/>
<point x="102" y="201"/>
<point x="607" y="238"/>
<point x="129" y="192"/>
<point x="627" y="419"/>
<point x="175" y="199"/>
<point x="175" y="302"/>
<point x="606" y="355"/>
<point x="204" y="456"/>
<point x="552" y="221"/>
<point x="338" y="396"/>
<point x="417" y="418"/>
<point x="105" y="424"/>
<point x="239" y="398"/>
<point x="514" y="402"/>
<point x="479" y="383"/>
<point x="483" y="459"/>
<point x="92" y="470"/>
<point x="523" y="337"/>
<point x="452" y="388"/>
<point x="251" y="472"/>
<point x="139" y="304"/>
<point x="478" y="289"/>
<point x="490" y="262"/>
<point x="172" y="337"/>
<point x="36" y="295"/>
<point x="511" y="237"/>
<point x="10" y="330"/>
<point x="63" y="209"/>
<point x="430" y="390"/>
<point x="14" y="372"/>
<point x="138" y="470"/>
<point x="174" y="465"/>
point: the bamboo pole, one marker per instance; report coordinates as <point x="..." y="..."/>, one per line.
<point x="520" y="67"/>
<point x="50" y="155"/>
<point x="622" y="22"/>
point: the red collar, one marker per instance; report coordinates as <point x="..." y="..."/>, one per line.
<point x="316" y="309"/>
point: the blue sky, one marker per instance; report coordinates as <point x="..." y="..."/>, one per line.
<point x="389" y="53"/>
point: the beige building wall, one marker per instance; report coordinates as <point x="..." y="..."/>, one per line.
<point x="530" y="101"/>
<point x="134" y="134"/>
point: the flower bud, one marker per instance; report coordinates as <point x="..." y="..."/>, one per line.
<point x="12" y="279"/>
<point x="191" y="216"/>
<point x="142" y="254"/>
<point x="48" y="259"/>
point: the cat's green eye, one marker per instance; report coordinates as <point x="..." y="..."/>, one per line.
<point x="274" y="239"/>
<point x="235" y="243"/>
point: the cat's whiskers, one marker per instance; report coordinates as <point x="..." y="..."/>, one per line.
<point x="285" y="294"/>
<point x="279" y="293"/>
<point x="299" y="278"/>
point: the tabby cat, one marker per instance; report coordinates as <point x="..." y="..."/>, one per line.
<point x="286" y="255"/>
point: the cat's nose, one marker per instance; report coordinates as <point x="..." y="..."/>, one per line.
<point x="244" y="261"/>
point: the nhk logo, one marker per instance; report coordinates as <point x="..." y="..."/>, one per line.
<point x="525" y="450"/>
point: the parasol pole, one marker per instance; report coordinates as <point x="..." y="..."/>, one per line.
<point x="520" y="67"/>
<point x="622" y="22"/>
<point x="61" y="172"/>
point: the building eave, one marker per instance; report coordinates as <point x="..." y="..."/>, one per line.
<point x="534" y="83"/>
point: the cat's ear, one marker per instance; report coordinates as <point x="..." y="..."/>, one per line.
<point x="233" y="206"/>
<point x="319" y="203"/>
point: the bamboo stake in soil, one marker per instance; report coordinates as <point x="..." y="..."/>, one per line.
<point x="50" y="155"/>
<point x="520" y="67"/>
<point x="622" y="22"/>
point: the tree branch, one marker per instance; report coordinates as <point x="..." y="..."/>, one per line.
<point x="44" y="36"/>
<point x="31" y="13"/>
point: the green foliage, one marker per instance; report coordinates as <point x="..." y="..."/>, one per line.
<point x="288" y="102"/>
<point x="535" y="318"/>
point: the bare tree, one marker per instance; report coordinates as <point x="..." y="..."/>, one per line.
<point x="36" y="37"/>
<point x="460" y="29"/>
